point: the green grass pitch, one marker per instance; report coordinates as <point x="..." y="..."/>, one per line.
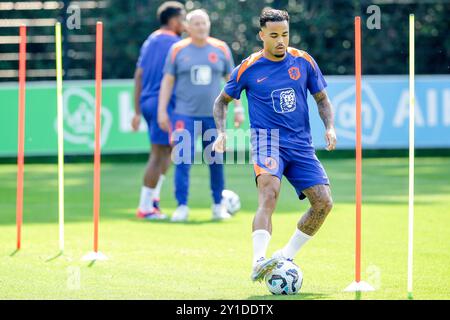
<point x="203" y="259"/>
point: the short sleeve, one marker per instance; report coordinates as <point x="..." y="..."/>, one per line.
<point x="316" y="82"/>
<point x="229" y="62"/>
<point x="142" y="54"/>
<point x="233" y="87"/>
<point x="170" y="64"/>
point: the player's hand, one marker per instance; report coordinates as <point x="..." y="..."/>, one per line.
<point x="220" y="142"/>
<point x="238" y="118"/>
<point x="135" y="122"/>
<point x="330" y="138"/>
<point x="163" y="121"/>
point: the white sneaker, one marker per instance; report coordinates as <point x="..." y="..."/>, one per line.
<point x="279" y="255"/>
<point x="262" y="267"/>
<point x="180" y="214"/>
<point x="219" y="212"/>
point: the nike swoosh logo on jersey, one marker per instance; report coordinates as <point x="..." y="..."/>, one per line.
<point x="261" y="79"/>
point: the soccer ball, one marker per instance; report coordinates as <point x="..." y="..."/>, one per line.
<point x="231" y="201"/>
<point x="286" y="278"/>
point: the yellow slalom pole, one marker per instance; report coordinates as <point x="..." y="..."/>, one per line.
<point x="59" y="99"/>
<point x="411" y="157"/>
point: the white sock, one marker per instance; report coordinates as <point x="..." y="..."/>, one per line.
<point x="146" y="201"/>
<point x="297" y="241"/>
<point x="261" y="239"/>
<point x="158" y="187"/>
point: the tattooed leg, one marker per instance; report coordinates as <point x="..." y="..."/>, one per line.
<point x="321" y="202"/>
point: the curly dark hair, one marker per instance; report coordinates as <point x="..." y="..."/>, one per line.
<point x="169" y="9"/>
<point x="272" y="15"/>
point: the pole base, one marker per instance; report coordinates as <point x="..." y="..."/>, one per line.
<point x="360" y="286"/>
<point x="94" y="256"/>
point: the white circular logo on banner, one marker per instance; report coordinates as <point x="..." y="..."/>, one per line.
<point x="79" y="118"/>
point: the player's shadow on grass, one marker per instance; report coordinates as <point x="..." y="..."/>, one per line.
<point x="299" y="296"/>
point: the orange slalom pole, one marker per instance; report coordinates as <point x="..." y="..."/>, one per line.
<point x="358" y="148"/>
<point x="21" y="133"/>
<point x="98" y="105"/>
<point x="358" y="286"/>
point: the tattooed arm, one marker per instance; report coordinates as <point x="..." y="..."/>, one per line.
<point x="238" y="113"/>
<point x="238" y="109"/>
<point x="326" y="114"/>
<point x="220" y="117"/>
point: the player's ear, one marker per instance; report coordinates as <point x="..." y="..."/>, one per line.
<point x="261" y="34"/>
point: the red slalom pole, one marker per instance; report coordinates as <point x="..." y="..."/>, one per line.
<point x="98" y="106"/>
<point x="21" y="133"/>
<point x="358" y="285"/>
<point x="358" y="183"/>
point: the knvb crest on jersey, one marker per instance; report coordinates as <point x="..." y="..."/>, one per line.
<point x="294" y="73"/>
<point x="284" y="100"/>
<point x="213" y="57"/>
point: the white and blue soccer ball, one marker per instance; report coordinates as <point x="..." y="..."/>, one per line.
<point x="286" y="278"/>
<point x="231" y="201"/>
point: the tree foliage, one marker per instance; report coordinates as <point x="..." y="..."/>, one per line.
<point x="323" y="28"/>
